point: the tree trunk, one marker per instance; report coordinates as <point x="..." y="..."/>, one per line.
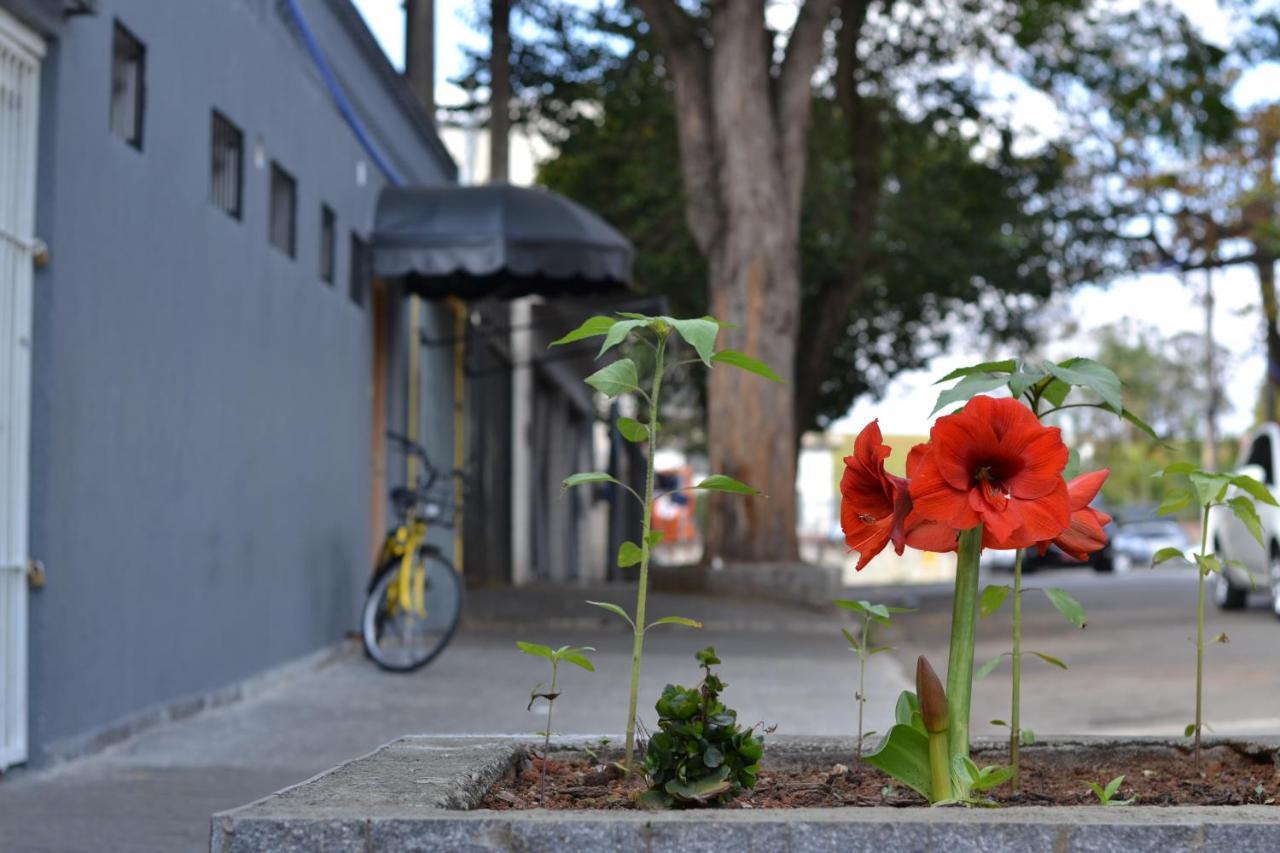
<point x="500" y="92"/>
<point x="1271" y="318"/>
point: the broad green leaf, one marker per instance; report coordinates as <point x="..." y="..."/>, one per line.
<point x="655" y="799"/>
<point x="992" y="599"/>
<point x="1129" y="416"/>
<point x="712" y="757"/>
<point x="1243" y="509"/>
<point x="703" y="790"/>
<point x="592" y="327"/>
<point x="1210" y="488"/>
<point x="616" y="378"/>
<point x="1087" y="373"/>
<point x="967" y="388"/>
<point x="578" y="660"/>
<point x="1175" y="500"/>
<point x="536" y="649"/>
<point x="1169" y="553"/>
<point x="1189" y="730"/>
<point x="988" y="668"/>
<point x="878" y="612"/>
<point x="617" y="334"/>
<point x="614" y="609"/>
<point x="906" y="709"/>
<point x="654" y="537"/>
<point x="991" y="777"/>
<point x="1208" y="563"/>
<point x="721" y="483"/>
<point x="585" y="478"/>
<point x="1113" y="786"/>
<point x="1023" y="379"/>
<point x="629" y="554"/>
<point x="1257" y="490"/>
<point x="631" y="315"/>
<point x="1178" y="469"/>
<point x="853" y="641"/>
<point x="699" y="334"/>
<point x="1055" y="392"/>
<point x="676" y="620"/>
<point x="904" y="755"/>
<point x="1097" y="791"/>
<point x="632" y="430"/>
<point x="1006" y="366"/>
<point x="1050" y="659"/>
<point x="745" y="362"/>
<point x="1067" y="606"/>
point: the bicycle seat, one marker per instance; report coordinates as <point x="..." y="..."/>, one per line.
<point x="403" y="497"/>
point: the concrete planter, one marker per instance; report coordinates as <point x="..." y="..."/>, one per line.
<point x="417" y="793"/>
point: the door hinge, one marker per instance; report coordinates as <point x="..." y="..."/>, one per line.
<point x="35" y="574"/>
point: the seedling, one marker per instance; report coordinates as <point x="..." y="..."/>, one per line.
<point x="881" y="614"/>
<point x="643" y="378"/>
<point x="575" y="655"/>
<point x="1106" y="794"/>
<point x="1208" y="491"/>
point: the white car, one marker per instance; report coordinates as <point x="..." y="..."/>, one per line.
<point x="1229" y="539"/>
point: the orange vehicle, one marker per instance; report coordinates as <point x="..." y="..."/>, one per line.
<point x="675" y="512"/>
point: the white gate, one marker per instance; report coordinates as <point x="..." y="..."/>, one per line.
<point x="20" y="53"/>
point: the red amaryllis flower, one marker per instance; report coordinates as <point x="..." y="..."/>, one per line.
<point x="872" y="502"/>
<point x="993" y="463"/>
<point x="1085" y="533"/>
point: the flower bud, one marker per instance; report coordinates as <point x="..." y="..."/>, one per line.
<point x="933" y="699"/>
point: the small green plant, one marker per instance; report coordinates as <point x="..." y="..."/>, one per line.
<point x="1106" y="794"/>
<point x="1209" y="490"/>
<point x="699" y="755"/>
<point x="642" y="375"/>
<point x="575" y="655"/>
<point x="880" y="614"/>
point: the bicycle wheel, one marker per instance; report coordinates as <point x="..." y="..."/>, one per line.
<point x="401" y="639"/>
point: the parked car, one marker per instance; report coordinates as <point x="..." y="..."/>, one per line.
<point x="1230" y="540"/>
<point x="1135" y="543"/>
<point x="1100" y="561"/>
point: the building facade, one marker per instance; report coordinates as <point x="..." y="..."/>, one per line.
<point x="195" y="389"/>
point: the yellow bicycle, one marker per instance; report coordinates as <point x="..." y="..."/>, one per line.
<point x="415" y="596"/>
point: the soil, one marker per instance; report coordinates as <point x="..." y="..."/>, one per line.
<point x="1166" y="778"/>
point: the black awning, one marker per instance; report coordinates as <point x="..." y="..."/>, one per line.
<point x="495" y="240"/>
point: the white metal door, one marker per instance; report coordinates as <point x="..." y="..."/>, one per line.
<point x="20" y="53"/>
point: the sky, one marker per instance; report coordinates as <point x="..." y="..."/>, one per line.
<point x="1155" y="299"/>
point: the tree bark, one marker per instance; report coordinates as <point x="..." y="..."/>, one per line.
<point x="743" y="140"/>
<point x="1271" y="317"/>
<point x="500" y="92"/>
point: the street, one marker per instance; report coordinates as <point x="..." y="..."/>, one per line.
<point x="1131" y="671"/>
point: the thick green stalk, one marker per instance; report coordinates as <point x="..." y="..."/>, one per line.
<point x="862" y="677"/>
<point x="964" y="618"/>
<point x="1204" y="541"/>
<point x="939" y="767"/>
<point x="1015" y="713"/>
<point x="637" y="647"/>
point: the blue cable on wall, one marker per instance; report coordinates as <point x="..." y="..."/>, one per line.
<point x="340" y="97"/>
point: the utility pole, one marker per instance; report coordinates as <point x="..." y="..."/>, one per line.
<point x="420" y="52"/>
<point x="1209" y="448"/>
<point x="499" y="91"/>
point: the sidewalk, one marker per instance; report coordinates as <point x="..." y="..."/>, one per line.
<point x="784" y="665"/>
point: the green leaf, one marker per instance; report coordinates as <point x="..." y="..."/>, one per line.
<point x="1208" y="563"/>
<point x="906" y="709"/>
<point x="585" y="478"/>
<point x="1098" y="792"/>
<point x="655" y="799"/>
<point x="745" y="362"/>
<point x="578" y="660"/>
<point x="654" y="537"/>
<point x="615" y="378"/>
<point x="700" y="334"/>
<point x="853" y="641"/>
<point x="592" y="327"/>
<point x="991" y="777"/>
<point x="1165" y="554"/>
<point x="702" y="790"/>
<point x="629" y="554"/>
<point x="1175" y="500"/>
<point x="1257" y="490"/>
<point x="992" y="599"/>
<point x="877" y="612"/>
<point x="1055" y="392"/>
<point x="1174" y="469"/>
<point x="535" y="649"/>
<point x="1050" y="659"/>
<point x="614" y="609"/>
<point x="1023" y="378"/>
<point x="988" y="668"/>
<point x="1027" y="737"/>
<point x="1243" y="509"/>
<point x="675" y="620"/>
<point x="617" y="334"/>
<point x="1189" y="730"/>
<point x="712" y="756"/>
<point x="1087" y="373"/>
<point x="1210" y="488"/>
<point x="631" y="315"/>
<point x="968" y="387"/>
<point x="1067" y="606"/>
<point x="721" y="483"/>
<point x="1129" y="416"/>
<point x="904" y="755"/>
<point x="1008" y="365"/>
<point x="1113" y="786"/>
<point x="632" y="430"/>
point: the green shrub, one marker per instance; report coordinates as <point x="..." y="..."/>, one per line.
<point x="699" y="755"/>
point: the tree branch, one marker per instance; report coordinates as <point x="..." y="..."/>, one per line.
<point x="794" y="109"/>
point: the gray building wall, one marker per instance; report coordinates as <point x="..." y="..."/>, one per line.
<point x="201" y="407"/>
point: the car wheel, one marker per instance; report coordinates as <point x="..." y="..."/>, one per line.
<point x="1227" y="595"/>
<point x="1121" y="564"/>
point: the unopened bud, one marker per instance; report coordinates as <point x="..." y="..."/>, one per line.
<point x="933" y="699"/>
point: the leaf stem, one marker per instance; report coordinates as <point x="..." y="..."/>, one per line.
<point x="637" y="648"/>
<point x="1015" y="713"/>
<point x="546" y="739"/>
<point x="862" y="673"/>
<point x="964" y="617"/>
<point x="1204" y="540"/>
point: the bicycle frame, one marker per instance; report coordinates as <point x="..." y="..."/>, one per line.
<point x="409" y="591"/>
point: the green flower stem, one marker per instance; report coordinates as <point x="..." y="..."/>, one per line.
<point x="1204" y="541"/>
<point x="546" y="736"/>
<point x="964" y="618"/>
<point x="637" y="648"/>
<point x="939" y="767"/>
<point x="862" y="676"/>
<point x="1015" y="713"/>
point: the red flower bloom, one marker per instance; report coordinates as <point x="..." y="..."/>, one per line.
<point x="1085" y="533"/>
<point x="993" y="463"/>
<point x="872" y="502"/>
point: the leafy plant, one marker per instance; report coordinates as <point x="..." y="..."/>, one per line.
<point x="1207" y="491"/>
<point x="699" y="755"/>
<point x="575" y="655"/>
<point x="624" y="376"/>
<point x="880" y="614"/>
<point x="1106" y="794"/>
